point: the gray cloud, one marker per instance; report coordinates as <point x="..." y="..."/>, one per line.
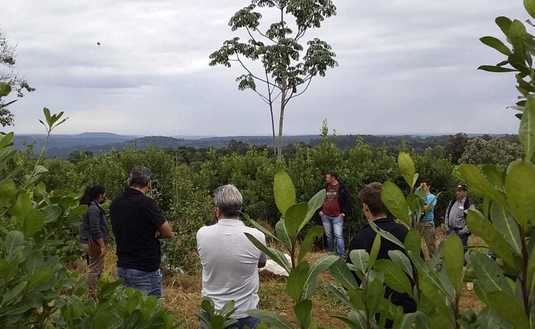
<point x="406" y="66"/>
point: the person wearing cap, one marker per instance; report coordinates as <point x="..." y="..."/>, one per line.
<point x="455" y="218"/>
<point x="138" y="224"/>
<point x="230" y="261"/>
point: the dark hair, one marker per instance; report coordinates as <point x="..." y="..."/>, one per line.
<point x="92" y="193"/>
<point x="426" y="182"/>
<point x="332" y="174"/>
<point x="371" y="196"/>
<point x="139" y="177"/>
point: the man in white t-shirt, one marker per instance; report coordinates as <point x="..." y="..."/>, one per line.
<point x="229" y="260"/>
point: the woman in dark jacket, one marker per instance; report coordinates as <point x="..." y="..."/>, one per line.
<point x="94" y="233"/>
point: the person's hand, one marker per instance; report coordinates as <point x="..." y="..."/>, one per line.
<point x="321" y="213"/>
<point x="343" y="215"/>
<point x="103" y="251"/>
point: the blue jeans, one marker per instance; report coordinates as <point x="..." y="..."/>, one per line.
<point x="334" y="230"/>
<point x="147" y="282"/>
<point x="248" y="322"/>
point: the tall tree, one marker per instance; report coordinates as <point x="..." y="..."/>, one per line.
<point x="286" y="66"/>
<point x="9" y="77"/>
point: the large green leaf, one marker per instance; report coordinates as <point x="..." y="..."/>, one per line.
<point x="343" y="275"/>
<point x="496" y="44"/>
<point x="398" y="257"/>
<point x="282" y="234"/>
<point x="274" y="320"/>
<point x="395" y="201"/>
<point x="354" y="320"/>
<point x="303" y="313"/>
<point x="506" y="226"/>
<point x="531" y="274"/>
<point x="489" y="276"/>
<point x="481" y="227"/>
<point x="315" y="203"/>
<point x="495" y="175"/>
<point x="414" y="320"/>
<point x="495" y="69"/>
<point x="28" y="219"/>
<point x="284" y="191"/>
<point x="374" y="293"/>
<point x="428" y="276"/>
<point x="295" y="217"/>
<point x="387" y="235"/>
<point x="395" y="278"/>
<point x="407" y="168"/>
<point x="504" y="24"/>
<point x="360" y="258"/>
<point x="530" y="7"/>
<point x="453" y="256"/>
<point x="413" y="242"/>
<point x="312" y="235"/>
<point x="478" y="182"/>
<point x="318" y="267"/>
<point x="262" y="229"/>
<point x="374" y="252"/>
<point x="520" y="189"/>
<point x="296" y="281"/>
<point x="277" y="256"/>
<point x="339" y="293"/>
<point x="509" y="309"/>
<point x="517" y="36"/>
<point x="526" y="131"/>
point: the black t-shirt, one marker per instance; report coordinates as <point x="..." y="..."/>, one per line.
<point x="135" y="219"/>
<point x="364" y="240"/>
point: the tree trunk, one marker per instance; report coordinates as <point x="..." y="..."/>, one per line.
<point x="281" y="125"/>
<point x="274" y="141"/>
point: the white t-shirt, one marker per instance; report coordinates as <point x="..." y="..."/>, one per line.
<point x="230" y="265"/>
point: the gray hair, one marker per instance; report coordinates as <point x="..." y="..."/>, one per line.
<point x="228" y="200"/>
<point x="139" y="177"/>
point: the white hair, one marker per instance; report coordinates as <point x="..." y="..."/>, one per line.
<point x="228" y="199"/>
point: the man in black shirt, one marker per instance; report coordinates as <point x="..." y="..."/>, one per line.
<point x="375" y="211"/>
<point x="137" y="224"/>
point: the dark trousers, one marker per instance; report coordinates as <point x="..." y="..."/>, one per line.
<point x="243" y="323"/>
<point x="464" y="236"/>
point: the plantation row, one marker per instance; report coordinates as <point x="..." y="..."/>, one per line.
<point x="40" y="214"/>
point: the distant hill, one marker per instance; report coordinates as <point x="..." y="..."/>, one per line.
<point x="62" y="145"/>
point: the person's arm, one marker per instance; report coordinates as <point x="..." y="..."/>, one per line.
<point x="430" y="205"/>
<point x="93" y="218"/>
<point x="263" y="258"/>
<point x="165" y="230"/>
<point x="262" y="261"/>
<point x="346" y="203"/>
<point x="447" y="215"/>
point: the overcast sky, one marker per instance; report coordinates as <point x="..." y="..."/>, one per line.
<point x="405" y="66"/>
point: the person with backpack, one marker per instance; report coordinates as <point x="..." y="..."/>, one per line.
<point x="455" y="218"/>
<point x="94" y="234"/>
<point x="335" y="208"/>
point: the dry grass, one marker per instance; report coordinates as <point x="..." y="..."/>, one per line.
<point x="182" y="294"/>
<point x="183" y="297"/>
